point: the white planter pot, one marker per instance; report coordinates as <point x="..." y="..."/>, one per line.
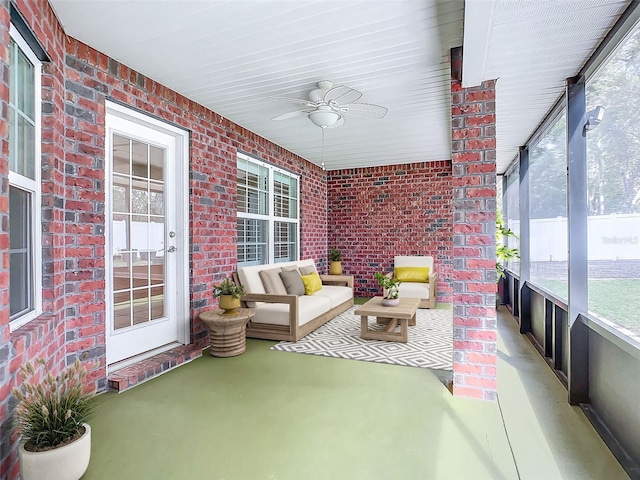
<point x="64" y="463"/>
<point x="390" y="302"/>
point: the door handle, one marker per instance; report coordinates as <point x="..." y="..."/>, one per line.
<point x="171" y="249"/>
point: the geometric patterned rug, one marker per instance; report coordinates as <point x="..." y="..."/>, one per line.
<point x="430" y="342"/>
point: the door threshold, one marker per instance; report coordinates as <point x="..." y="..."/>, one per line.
<point x="114" y="367"/>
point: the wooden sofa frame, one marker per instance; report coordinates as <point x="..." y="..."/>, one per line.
<point x="293" y="332"/>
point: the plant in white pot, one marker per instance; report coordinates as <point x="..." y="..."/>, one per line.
<point x="390" y="286"/>
<point x="51" y="419"/>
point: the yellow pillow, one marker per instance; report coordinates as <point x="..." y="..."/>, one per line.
<point x="312" y="283"/>
<point x="412" y="274"/>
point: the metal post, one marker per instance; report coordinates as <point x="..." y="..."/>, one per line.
<point x="578" y="375"/>
<point x="525" y="242"/>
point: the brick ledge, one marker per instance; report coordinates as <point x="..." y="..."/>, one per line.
<point x="140" y="372"/>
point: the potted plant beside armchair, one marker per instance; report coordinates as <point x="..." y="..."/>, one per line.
<point x="51" y="419"/>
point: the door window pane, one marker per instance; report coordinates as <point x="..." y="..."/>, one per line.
<point x="548" y="210"/>
<point x="613" y="184"/>
<point x="138" y="232"/>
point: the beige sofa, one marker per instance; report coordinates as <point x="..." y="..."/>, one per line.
<point x="291" y="317"/>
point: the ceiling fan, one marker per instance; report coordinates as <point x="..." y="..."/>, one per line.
<point x="327" y="105"/>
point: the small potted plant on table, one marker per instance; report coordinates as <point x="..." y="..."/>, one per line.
<point x="51" y="418"/>
<point x="390" y="286"/>
<point x="229" y="294"/>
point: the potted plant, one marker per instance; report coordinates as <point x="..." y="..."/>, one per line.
<point x="51" y="419"/>
<point x="335" y="262"/>
<point x="390" y="287"/>
<point x="504" y="253"/>
<point x="229" y="294"/>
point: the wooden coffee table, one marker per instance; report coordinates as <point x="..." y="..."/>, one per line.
<point x="404" y="314"/>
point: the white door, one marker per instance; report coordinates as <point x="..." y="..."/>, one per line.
<point x="146" y="261"/>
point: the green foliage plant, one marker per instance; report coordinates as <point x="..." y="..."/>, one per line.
<point x="504" y="253"/>
<point x="388" y="283"/>
<point x="228" y="287"/>
<point x="335" y="255"/>
<point x="51" y="412"/>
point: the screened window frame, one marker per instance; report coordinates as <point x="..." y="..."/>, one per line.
<point x="270" y="217"/>
<point x="32" y="186"/>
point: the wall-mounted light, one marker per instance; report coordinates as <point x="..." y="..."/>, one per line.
<point x="594" y="117"/>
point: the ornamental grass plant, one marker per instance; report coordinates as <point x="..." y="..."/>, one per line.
<point x="51" y="413"/>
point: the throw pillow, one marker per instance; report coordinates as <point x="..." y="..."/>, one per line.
<point x="290" y="268"/>
<point x="309" y="269"/>
<point x="292" y="282"/>
<point x="412" y="274"/>
<point x="312" y="283"/>
<point x="272" y="281"/>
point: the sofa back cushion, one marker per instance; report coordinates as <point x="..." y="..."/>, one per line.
<point x="292" y="282"/>
<point x="272" y="282"/>
<point x="413" y="261"/>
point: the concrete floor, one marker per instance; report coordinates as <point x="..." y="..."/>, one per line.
<point x="277" y="415"/>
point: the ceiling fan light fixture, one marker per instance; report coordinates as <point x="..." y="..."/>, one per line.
<point x="324" y="118"/>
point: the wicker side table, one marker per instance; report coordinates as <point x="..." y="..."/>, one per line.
<point x="227" y="333"/>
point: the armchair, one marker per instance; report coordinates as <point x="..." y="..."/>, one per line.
<point x="414" y="285"/>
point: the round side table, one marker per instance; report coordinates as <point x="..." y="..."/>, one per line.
<point x="227" y="332"/>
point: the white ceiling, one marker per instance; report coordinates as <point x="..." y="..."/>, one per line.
<point x="232" y="55"/>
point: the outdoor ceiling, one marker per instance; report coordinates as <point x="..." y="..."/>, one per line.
<point x="231" y="56"/>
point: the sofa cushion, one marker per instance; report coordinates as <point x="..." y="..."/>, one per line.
<point x="412" y="274"/>
<point x="336" y="294"/>
<point x="272" y="281"/>
<point x="312" y="283"/>
<point x="414" y="290"/>
<point x="309" y="307"/>
<point x="307" y="270"/>
<point x="292" y="282"/>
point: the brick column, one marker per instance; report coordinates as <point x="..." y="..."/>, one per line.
<point x="473" y="158"/>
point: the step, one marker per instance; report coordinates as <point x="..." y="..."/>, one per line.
<point x="137" y="373"/>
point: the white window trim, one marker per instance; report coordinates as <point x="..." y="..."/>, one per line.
<point x="34" y="186"/>
<point x="271" y="218"/>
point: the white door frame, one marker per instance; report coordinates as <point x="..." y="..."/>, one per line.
<point x="180" y="181"/>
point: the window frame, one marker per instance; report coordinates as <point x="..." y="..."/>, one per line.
<point x="32" y="186"/>
<point x="270" y="218"/>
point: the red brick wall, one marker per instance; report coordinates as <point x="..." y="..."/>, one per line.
<point x="75" y="85"/>
<point x="474" y="213"/>
<point x="5" y="347"/>
<point x="379" y="212"/>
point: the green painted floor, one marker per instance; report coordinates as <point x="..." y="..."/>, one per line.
<point x="278" y="415"/>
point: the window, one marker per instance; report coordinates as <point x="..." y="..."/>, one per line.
<point x="25" y="280"/>
<point x="512" y="211"/>
<point x="548" y="210"/>
<point x="268" y="206"/>
<point x="613" y="186"/>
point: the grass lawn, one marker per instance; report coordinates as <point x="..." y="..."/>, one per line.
<point x="617" y="299"/>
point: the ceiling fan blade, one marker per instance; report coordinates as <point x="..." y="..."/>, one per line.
<point x="365" y="110"/>
<point x="299" y="101"/>
<point x="342" y="95"/>
<point x="296" y="113"/>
